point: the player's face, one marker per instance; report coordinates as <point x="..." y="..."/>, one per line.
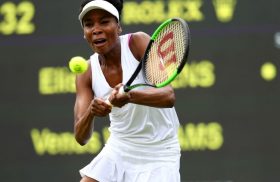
<point x="101" y="30"/>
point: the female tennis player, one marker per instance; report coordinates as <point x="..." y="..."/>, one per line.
<point x="143" y="144"/>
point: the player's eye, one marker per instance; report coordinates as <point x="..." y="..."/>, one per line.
<point x="88" y="24"/>
<point x="105" y="21"/>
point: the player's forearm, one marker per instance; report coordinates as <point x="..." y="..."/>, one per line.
<point x="83" y="128"/>
<point x="163" y="97"/>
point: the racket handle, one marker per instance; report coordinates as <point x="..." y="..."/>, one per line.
<point x="121" y="91"/>
<point x="108" y="102"/>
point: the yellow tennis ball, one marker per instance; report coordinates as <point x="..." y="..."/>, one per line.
<point x="78" y="65"/>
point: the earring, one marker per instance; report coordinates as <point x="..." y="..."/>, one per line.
<point x="84" y="37"/>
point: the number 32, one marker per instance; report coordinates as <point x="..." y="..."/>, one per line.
<point x="17" y="19"/>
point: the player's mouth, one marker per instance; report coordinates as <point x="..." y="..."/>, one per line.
<point x="99" y="42"/>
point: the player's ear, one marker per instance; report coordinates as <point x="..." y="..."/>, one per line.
<point x="119" y="29"/>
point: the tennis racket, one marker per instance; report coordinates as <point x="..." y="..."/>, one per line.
<point x="165" y="55"/>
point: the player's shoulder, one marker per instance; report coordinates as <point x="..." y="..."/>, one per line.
<point x="138" y="43"/>
<point x="138" y="36"/>
<point x="85" y="78"/>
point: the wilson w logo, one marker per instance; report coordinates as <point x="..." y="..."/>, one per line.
<point x="166" y="51"/>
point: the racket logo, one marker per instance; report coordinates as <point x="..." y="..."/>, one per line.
<point x="166" y="51"/>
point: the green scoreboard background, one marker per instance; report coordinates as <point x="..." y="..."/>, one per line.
<point x="228" y="96"/>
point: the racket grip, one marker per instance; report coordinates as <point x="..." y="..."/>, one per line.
<point x="108" y="102"/>
<point x="121" y="91"/>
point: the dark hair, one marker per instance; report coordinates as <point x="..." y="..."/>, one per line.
<point x="118" y="4"/>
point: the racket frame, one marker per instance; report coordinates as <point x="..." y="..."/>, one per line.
<point x="127" y="87"/>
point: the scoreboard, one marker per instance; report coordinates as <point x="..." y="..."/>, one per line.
<point x="227" y="97"/>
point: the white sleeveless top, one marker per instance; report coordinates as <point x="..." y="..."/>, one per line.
<point x="146" y="128"/>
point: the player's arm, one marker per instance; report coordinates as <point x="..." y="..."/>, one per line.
<point x="155" y="97"/>
<point x="86" y="108"/>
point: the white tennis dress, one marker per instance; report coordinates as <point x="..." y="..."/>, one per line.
<point x="143" y="144"/>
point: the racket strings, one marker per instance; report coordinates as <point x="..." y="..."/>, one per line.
<point x="166" y="53"/>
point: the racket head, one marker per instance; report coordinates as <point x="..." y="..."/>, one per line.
<point x="167" y="52"/>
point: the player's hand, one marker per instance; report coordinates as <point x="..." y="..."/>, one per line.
<point x="117" y="99"/>
<point x="99" y="107"/>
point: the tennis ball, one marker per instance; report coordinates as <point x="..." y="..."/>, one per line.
<point x="78" y="65"/>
